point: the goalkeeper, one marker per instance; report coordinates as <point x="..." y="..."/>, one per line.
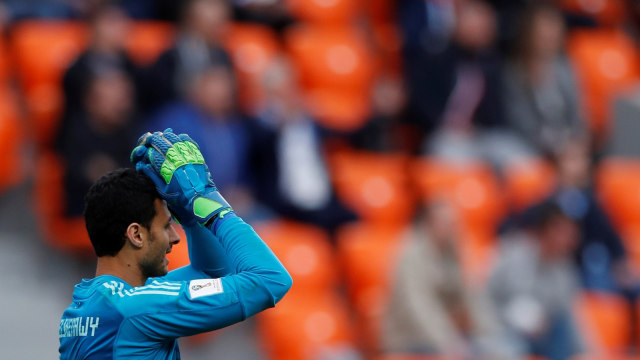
<point x="134" y="308"/>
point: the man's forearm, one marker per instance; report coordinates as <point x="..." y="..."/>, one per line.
<point x="205" y="251"/>
<point x="261" y="280"/>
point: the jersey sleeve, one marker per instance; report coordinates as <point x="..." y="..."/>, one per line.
<point x="166" y="309"/>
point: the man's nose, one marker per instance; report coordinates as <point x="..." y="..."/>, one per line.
<point x="174" y="237"/>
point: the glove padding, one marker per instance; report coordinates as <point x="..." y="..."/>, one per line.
<point x="177" y="167"/>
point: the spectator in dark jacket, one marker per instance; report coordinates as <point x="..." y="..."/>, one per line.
<point x="454" y="93"/>
<point x="540" y="90"/>
<point x="292" y="174"/>
<point x="198" y="46"/>
<point x="98" y="139"/>
<point x="109" y="25"/>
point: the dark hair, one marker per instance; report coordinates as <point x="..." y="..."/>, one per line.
<point x="114" y="201"/>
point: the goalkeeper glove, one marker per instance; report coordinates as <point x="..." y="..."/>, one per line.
<point x="177" y="167"/>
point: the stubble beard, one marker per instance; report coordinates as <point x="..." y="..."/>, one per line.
<point x="153" y="264"/>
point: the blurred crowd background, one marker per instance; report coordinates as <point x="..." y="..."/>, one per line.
<point x="444" y="179"/>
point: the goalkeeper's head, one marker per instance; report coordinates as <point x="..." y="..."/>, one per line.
<point x="126" y="217"/>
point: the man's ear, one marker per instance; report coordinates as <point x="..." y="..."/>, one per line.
<point x="135" y="234"/>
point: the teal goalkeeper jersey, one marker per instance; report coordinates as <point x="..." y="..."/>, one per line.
<point x="109" y="319"/>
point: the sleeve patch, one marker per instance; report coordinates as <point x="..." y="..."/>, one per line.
<point x="204" y="287"/>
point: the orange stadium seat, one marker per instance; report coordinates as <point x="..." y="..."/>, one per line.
<point x="618" y="187"/>
<point x="618" y="184"/>
<point x="12" y="166"/>
<point x="42" y="51"/>
<point x="604" y="319"/>
<point x="367" y="254"/>
<point x="324" y="12"/>
<point x="606" y="61"/>
<point x="472" y="188"/>
<point x="67" y="234"/>
<point x="306" y="327"/>
<point x="605" y="12"/>
<point x="306" y="253"/>
<point x="148" y="39"/>
<point x="336" y="69"/>
<point x="373" y="185"/>
<point x="252" y="48"/>
<point x="528" y="182"/>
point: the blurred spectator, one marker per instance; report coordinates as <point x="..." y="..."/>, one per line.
<point x="210" y="115"/>
<point x="535" y="281"/>
<point x="540" y="91"/>
<point x="380" y="133"/>
<point x="456" y="86"/>
<point x="431" y="309"/>
<point x="455" y="92"/>
<point x="109" y="26"/>
<point x="601" y="255"/>
<point x="100" y="138"/>
<point x="290" y="168"/>
<point x="198" y="46"/>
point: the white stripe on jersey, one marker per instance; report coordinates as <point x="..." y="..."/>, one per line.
<point x="153" y="292"/>
<point x="169" y="283"/>
<point x="178" y="287"/>
<point x="117" y="288"/>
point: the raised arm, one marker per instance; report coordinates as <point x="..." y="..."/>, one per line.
<point x="257" y="279"/>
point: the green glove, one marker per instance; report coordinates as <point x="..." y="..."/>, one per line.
<point x="177" y="167"/>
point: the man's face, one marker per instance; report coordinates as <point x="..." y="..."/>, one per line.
<point x="161" y="238"/>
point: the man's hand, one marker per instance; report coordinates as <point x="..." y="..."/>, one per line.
<point x="177" y="167"/>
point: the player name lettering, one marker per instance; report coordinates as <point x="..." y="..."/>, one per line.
<point x="78" y="326"/>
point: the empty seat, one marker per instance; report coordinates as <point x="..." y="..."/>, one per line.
<point x="305" y="252"/>
<point x="374" y="185"/>
<point x="604" y="319"/>
<point x="618" y="187"/>
<point x="367" y="254"/>
<point x="472" y="188"/>
<point x="42" y="51"/>
<point x="336" y="70"/>
<point x="606" y="62"/>
<point x="148" y="39"/>
<point x="528" y="182"/>
<point x="252" y="49"/>
<point x="307" y="327"/>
